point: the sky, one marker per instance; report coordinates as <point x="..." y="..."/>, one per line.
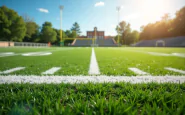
<point x="91" y="13"/>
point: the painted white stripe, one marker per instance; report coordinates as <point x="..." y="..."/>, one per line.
<point x="52" y="70"/>
<point x="87" y="79"/>
<point x="138" y="71"/>
<point x="93" y="69"/>
<point x="12" y="70"/>
<point x="174" y="70"/>
<point x="38" y="52"/>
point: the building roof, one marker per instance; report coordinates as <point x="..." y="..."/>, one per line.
<point x="97" y="31"/>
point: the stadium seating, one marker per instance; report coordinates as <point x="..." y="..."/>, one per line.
<point x="168" y="42"/>
<point x="99" y="42"/>
<point x="106" y="42"/>
<point x="82" y="43"/>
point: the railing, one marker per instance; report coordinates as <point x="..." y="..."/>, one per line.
<point x="22" y="44"/>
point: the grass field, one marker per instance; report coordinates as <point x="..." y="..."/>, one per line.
<point x="92" y="98"/>
<point x="111" y="61"/>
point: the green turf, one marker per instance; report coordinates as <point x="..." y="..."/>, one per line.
<point x="116" y="61"/>
<point x="96" y="99"/>
<point x="72" y="61"/>
<point x="111" y="61"/>
<point x="25" y="49"/>
<point x="88" y="99"/>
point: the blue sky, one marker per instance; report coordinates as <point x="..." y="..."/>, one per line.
<point x="91" y="13"/>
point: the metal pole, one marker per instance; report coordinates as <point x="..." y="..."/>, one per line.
<point x="118" y="9"/>
<point x="61" y="8"/>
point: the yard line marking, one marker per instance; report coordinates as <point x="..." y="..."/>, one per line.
<point x="86" y="79"/>
<point x="174" y="70"/>
<point x="35" y="52"/>
<point x="93" y="69"/>
<point x="138" y="71"/>
<point x="12" y="70"/>
<point x="52" y="70"/>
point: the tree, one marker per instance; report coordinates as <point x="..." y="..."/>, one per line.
<point x="76" y="28"/>
<point x="166" y="17"/>
<point x="123" y="29"/>
<point x="179" y="23"/>
<point x="58" y="35"/>
<point x="165" y="28"/>
<point x="132" y="37"/>
<point x="48" y="34"/>
<point x="12" y="26"/>
<point x="32" y="29"/>
<point x="74" y="34"/>
<point x="70" y="34"/>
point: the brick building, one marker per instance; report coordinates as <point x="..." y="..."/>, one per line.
<point x="95" y="33"/>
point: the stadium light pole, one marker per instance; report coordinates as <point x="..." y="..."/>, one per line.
<point x="118" y="9"/>
<point x="61" y="41"/>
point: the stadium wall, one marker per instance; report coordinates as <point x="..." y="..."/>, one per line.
<point x="6" y="44"/>
<point x="22" y="44"/>
<point x="162" y="42"/>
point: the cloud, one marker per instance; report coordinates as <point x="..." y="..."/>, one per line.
<point x="99" y="4"/>
<point x="43" y="10"/>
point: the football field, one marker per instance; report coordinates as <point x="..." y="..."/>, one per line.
<point x="77" y="61"/>
<point x="88" y="81"/>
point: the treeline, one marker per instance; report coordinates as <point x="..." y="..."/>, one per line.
<point x="165" y="28"/>
<point x="126" y="35"/>
<point x="23" y="29"/>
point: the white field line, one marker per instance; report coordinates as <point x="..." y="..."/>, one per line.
<point x="159" y="54"/>
<point x="93" y="69"/>
<point x="138" y="71"/>
<point x="6" y="54"/>
<point x="86" y="79"/>
<point x="52" y="70"/>
<point x="155" y="53"/>
<point x="175" y="70"/>
<point x="9" y="55"/>
<point x="36" y="52"/>
<point x="12" y="70"/>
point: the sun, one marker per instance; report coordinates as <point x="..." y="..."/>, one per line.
<point x="153" y="10"/>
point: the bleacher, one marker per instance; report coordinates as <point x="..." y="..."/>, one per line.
<point x="168" y="42"/>
<point x="83" y="43"/>
<point x="100" y="42"/>
<point x="106" y="43"/>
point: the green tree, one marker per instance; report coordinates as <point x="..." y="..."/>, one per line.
<point x="132" y="37"/>
<point x="76" y="28"/>
<point x="179" y="23"/>
<point x="68" y="33"/>
<point x="58" y="35"/>
<point x="74" y="34"/>
<point x="165" y="28"/>
<point x="48" y="34"/>
<point x="123" y="29"/>
<point x="12" y="26"/>
<point x="32" y="29"/>
<point x="157" y="30"/>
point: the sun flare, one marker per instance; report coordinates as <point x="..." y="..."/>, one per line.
<point x="153" y="10"/>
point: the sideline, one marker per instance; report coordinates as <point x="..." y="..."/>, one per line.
<point x="86" y="79"/>
<point x="93" y="68"/>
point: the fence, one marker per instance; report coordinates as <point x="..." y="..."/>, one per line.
<point x="22" y="44"/>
